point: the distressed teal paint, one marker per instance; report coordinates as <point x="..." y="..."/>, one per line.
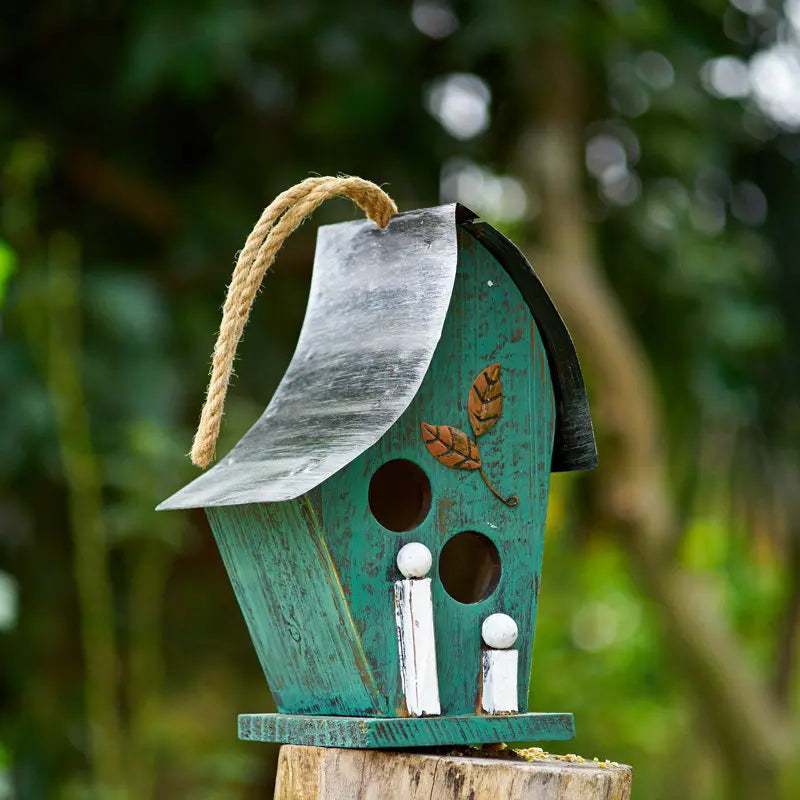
<point x="488" y="321"/>
<point x="315" y="577"/>
<point x="294" y="605"/>
<point x="404" y="732"/>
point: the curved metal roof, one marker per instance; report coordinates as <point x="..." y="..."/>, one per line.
<point x="376" y="309"/>
<point x="363" y="353"/>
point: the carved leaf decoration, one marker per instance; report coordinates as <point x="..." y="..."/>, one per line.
<point x="485" y="403"/>
<point x="451" y="447"/>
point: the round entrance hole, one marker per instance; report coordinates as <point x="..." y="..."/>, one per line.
<point x="399" y="495"/>
<point x="469" y="567"/>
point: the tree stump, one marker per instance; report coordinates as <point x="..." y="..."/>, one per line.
<point x="320" y="773"/>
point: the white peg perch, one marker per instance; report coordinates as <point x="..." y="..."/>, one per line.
<point x="499" y="665"/>
<point x="413" y="609"/>
<point x="499" y="631"/>
<point x="414" y="560"/>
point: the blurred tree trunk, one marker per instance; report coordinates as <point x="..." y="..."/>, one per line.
<point x="789" y="630"/>
<point x="149" y="570"/>
<point x="51" y="314"/>
<point x="82" y="476"/>
<point x="757" y="738"/>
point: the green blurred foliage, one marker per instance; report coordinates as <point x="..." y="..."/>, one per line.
<point x="149" y="134"/>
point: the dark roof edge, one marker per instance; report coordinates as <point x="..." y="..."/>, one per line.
<point x="574" y="445"/>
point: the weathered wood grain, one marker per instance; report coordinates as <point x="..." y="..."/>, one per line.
<point x="574" y="445"/>
<point x="312" y="773"/>
<point x="301" y="776"/>
<point x="295" y="608"/>
<point x="416" y="642"/>
<point x="394" y="732"/>
<point x="499" y="681"/>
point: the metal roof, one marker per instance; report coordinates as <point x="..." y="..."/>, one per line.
<point x="377" y="305"/>
<point x="376" y="309"/>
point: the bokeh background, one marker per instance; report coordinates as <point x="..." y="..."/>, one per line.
<point x="644" y="153"/>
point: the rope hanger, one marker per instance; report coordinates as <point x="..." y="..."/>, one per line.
<point x="279" y="219"/>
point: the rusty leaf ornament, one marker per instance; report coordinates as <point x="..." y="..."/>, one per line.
<point x="451" y="447"/>
<point x="485" y="402"/>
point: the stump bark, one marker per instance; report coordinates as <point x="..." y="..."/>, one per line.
<point x="320" y="773"/>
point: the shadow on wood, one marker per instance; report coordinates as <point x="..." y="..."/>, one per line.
<point x="318" y="773"/>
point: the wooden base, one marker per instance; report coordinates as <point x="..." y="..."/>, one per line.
<point x="389" y="732"/>
<point x="318" y="773"/>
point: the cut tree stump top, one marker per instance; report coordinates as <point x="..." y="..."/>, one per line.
<point x="319" y="773"/>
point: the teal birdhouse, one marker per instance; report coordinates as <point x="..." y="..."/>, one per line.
<point x="382" y="523"/>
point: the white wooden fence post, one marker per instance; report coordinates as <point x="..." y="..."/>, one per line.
<point x="413" y="610"/>
<point x="499" y="665"/>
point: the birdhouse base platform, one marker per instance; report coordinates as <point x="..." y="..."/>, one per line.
<point x="391" y="732"/>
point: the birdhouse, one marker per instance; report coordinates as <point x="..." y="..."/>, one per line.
<point x="382" y="522"/>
